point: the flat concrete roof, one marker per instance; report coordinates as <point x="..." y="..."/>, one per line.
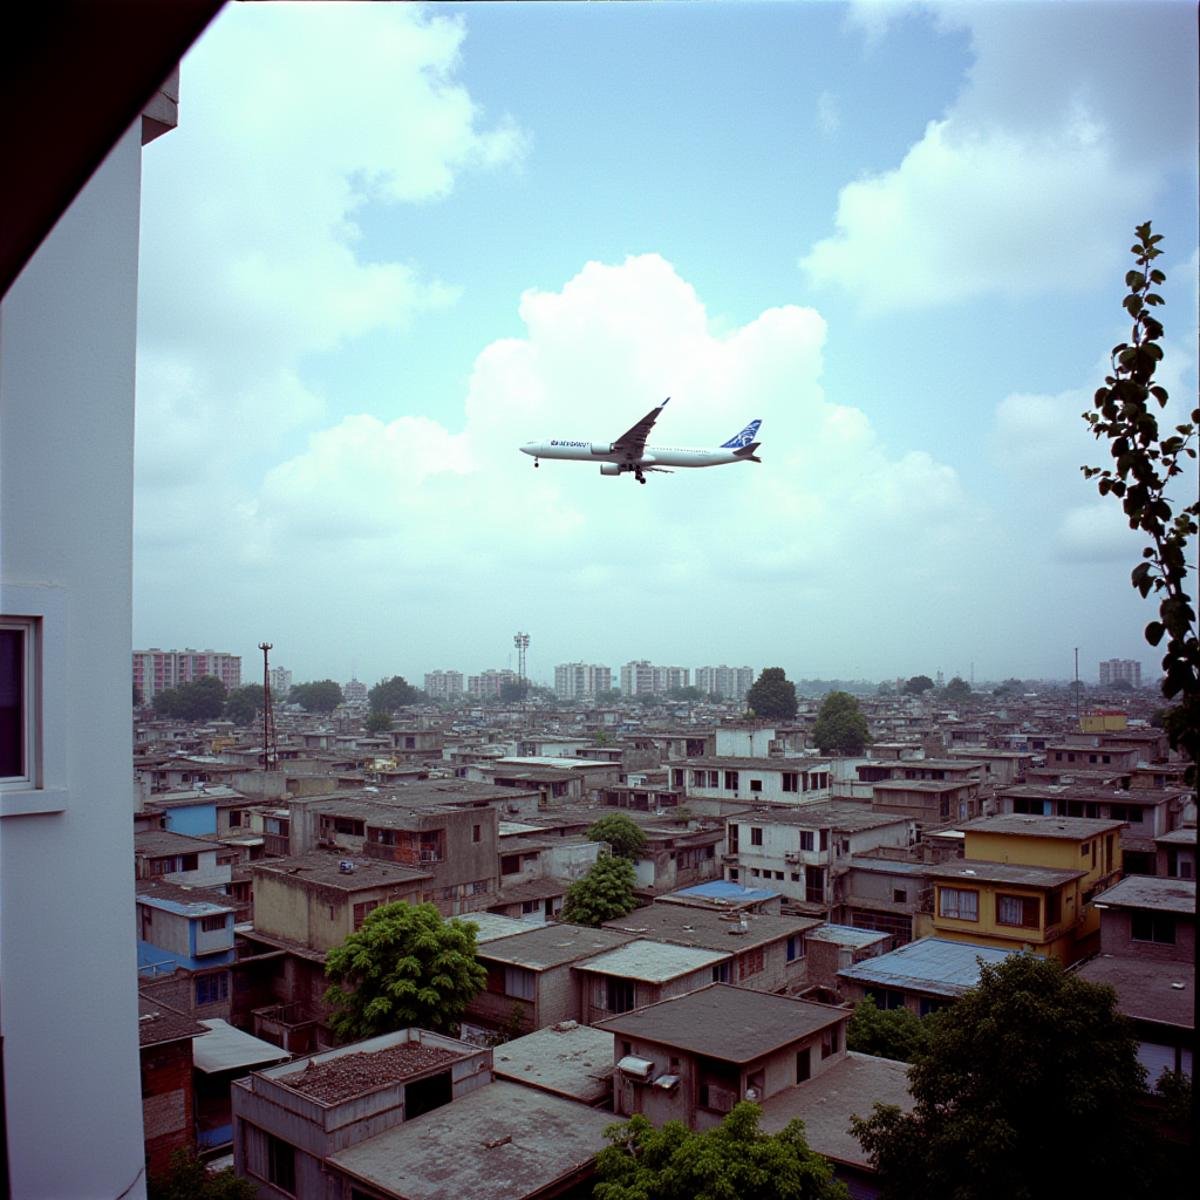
<point x="1177" y="837"/>
<point x="688" y="926"/>
<point x="731" y="763"/>
<point x="157" y="843"/>
<point x="1070" y="828"/>
<point x="499" y="1140"/>
<point x="848" y="935"/>
<point x="653" y="962"/>
<point x="1147" y="989"/>
<point x="935" y="966"/>
<point x="543" y="946"/>
<point x="844" y="817"/>
<point x="567" y="1059"/>
<point x="1152" y="892"/>
<point x="826" y="1103"/>
<point x="324" y="868"/>
<point x="978" y="870"/>
<point x="730" y="1023"/>
<point x="491" y="926"/>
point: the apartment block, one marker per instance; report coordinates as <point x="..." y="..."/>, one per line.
<point x="730" y="683"/>
<point x="1124" y="670"/>
<point x="579" y="681"/>
<point x="157" y="670"/>
<point x="443" y="685"/>
<point x="487" y="684"/>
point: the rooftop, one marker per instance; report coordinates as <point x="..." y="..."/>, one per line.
<point x="329" y="1080"/>
<point x="186" y="902"/>
<point x="1147" y="990"/>
<point x="324" y="870"/>
<point x="732" y="763"/>
<point x="848" y="935"/>
<point x="545" y="946"/>
<point x="827" y="1101"/>
<point x="720" y="892"/>
<point x="499" y="1140"/>
<point x="1070" y="828"/>
<point x="224" y="1048"/>
<point x="654" y="962"/>
<point x="158" y="843"/>
<point x="735" y="1024"/>
<point x="936" y="966"/>
<point x="687" y="926"/>
<point x="1151" y="892"/>
<point x="847" y="818"/>
<point x="977" y="870"/>
<point x="159" y="1023"/>
<point x="568" y="1059"/>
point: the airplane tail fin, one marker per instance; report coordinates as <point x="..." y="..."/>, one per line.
<point x="744" y="438"/>
<point x="747" y="452"/>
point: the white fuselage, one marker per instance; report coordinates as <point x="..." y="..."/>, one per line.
<point x="652" y="456"/>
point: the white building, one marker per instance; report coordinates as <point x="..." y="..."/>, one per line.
<point x="730" y="683"/>
<point x="281" y="683"/>
<point x="487" y="684"/>
<point x="581" y="681"/>
<point x="443" y="685"/>
<point x="68" y="966"/>
<point x="1126" y="670"/>
<point x="354" y="692"/>
<point x="783" y="780"/>
<point x="641" y="677"/>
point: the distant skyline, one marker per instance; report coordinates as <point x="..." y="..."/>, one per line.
<point x="387" y="244"/>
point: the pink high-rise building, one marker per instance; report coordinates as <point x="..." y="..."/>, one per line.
<point x="156" y="670"/>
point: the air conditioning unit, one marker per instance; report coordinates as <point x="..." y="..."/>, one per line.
<point x="721" y="1099"/>
<point x="791" y="857"/>
<point x="638" y="1069"/>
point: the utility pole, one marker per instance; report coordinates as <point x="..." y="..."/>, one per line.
<point x="1078" y="718"/>
<point x="270" y="750"/>
<point x="521" y="641"/>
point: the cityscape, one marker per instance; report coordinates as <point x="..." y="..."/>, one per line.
<point x="417" y="784"/>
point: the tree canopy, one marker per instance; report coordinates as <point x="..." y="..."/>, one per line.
<point x="323" y="695"/>
<point x="203" y="700"/>
<point x="886" y="1033"/>
<point x="622" y="833"/>
<point x="604" y="893"/>
<point x="733" y="1159"/>
<point x="405" y="966"/>
<point x="957" y="689"/>
<point x="390" y="695"/>
<point x="512" y="691"/>
<point x="243" y="704"/>
<point x="188" y="1178"/>
<point x="1031" y="1061"/>
<point x="379" y="722"/>
<point x="841" y="726"/>
<point x="772" y="695"/>
<point x="917" y="684"/>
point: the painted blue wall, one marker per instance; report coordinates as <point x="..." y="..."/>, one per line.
<point x="196" y="820"/>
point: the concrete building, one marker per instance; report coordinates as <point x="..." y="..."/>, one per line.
<point x="281" y="683"/>
<point x="729" y="683"/>
<point x="354" y="691"/>
<point x="165" y="1055"/>
<point x="1126" y="670"/>
<point x="581" y="681"/>
<point x="157" y="670"/>
<point x="487" y="684"/>
<point x="443" y="685"/>
<point x="783" y="780"/>
<point x="637" y="678"/>
<point x="67" y="348"/>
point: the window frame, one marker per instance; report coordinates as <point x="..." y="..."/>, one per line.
<point x="957" y="892"/>
<point x="41" y="613"/>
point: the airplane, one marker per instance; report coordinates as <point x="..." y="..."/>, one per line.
<point x="629" y="453"/>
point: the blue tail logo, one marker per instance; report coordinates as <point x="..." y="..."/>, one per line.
<point x="740" y="440"/>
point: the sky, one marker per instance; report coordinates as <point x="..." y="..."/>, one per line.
<point x="387" y="244"/>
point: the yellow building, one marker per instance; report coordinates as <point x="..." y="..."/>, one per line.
<point x="1103" y="720"/>
<point x="1027" y="881"/>
<point x="1006" y="906"/>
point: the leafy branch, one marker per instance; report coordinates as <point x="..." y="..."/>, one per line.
<point x="1144" y="464"/>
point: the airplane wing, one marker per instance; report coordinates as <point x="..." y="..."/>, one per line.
<point x="632" y="443"/>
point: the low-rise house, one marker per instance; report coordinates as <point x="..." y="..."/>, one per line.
<point x="530" y="983"/>
<point x="644" y="796"/>
<point x="802" y="851"/>
<point x="568" y="1059"/>
<point x="693" y="1057"/>
<point x="1175" y="854"/>
<point x="772" y="949"/>
<point x="177" y="858"/>
<point x="831" y="948"/>
<point x="1148" y="956"/>
<point x="922" y="976"/>
<point x="931" y="803"/>
<point x="165" y="1052"/>
<point x="1009" y="905"/>
<point x="882" y="894"/>
<point x="221" y="1056"/>
<point x="725" y="896"/>
<point x="721" y="778"/>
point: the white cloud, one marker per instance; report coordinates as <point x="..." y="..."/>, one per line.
<point x="1036" y="173"/>
<point x="1095" y="533"/>
<point x="829" y="116"/>
<point x="250" y="247"/>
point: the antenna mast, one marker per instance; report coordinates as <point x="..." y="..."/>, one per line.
<point x="270" y="749"/>
<point x="521" y="641"/>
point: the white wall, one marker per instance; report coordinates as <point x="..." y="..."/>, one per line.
<point x="68" y="1007"/>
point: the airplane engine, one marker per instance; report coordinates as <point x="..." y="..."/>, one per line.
<point x="610" y="468"/>
<point x="602" y="447"/>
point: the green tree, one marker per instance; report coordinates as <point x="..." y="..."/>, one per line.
<point x="772" y="695"/>
<point x="391" y="695"/>
<point x="887" y="1033"/>
<point x="608" y="696"/>
<point x="840" y="726"/>
<point x="731" y="1161"/>
<point x="917" y="685"/>
<point x="1010" y="687"/>
<point x="404" y="966"/>
<point x="1030" y="1061"/>
<point x="604" y="893"/>
<point x="957" y="689"/>
<point x="379" y="722"/>
<point x="1145" y="465"/>
<point x="188" y="1178"/>
<point x="684" y="693"/>
<point x="245" y="703"/>
<point x="622" y="833"/>
<point x="202" y="700"/>
<point x="323" y="695"/>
